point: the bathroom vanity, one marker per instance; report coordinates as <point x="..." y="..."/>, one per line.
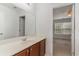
<point x="32" y="46"/>
<point x="37" y="49"/>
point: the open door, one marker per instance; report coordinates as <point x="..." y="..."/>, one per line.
<point x="63" y="31"/>
<point x="22" y="26"/>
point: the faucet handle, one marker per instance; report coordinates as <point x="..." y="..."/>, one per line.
<point x="1" y="33"/>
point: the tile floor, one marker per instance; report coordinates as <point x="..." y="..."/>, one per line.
<point x="62" y="47"/>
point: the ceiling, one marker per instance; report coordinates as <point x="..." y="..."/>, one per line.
<point x="56" y="5"/>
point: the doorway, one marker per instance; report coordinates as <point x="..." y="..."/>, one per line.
<point x="62" y="31"/>
<point x="22" y="26"/>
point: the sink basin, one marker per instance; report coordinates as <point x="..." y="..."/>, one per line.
<point x="24" y="39"/>
<point x="18" y="40"/>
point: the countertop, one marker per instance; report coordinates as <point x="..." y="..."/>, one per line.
<point x="12" y="46"/>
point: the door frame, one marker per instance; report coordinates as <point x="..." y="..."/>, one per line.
<point x="19" y="24"/>
<point x="73" y="31"/>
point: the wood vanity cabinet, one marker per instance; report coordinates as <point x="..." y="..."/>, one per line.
<point x="42" y="47"/>
<point x="25" y="52"/>
<point x="34" y="50"/>
<point x="37" y="49"/>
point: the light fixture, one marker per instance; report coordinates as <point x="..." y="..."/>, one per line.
<point x="69" y="11"/>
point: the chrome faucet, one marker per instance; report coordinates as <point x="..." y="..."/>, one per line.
<point x="24" y="39"/>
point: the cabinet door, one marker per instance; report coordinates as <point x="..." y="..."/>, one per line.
<point x="27" y="52"/>
<point x="42" y="48"/>
<point x="23" y="53"/>
<point x="34" y="50"/>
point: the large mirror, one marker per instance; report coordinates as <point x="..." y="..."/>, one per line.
<point x="13" y="21"/>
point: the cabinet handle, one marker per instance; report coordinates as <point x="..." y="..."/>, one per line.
<point x="31" y="49"/>
<point x="27" y="51"/>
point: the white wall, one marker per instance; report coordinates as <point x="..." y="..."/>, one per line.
<point x="44" y="24"/>
<point x="10" y="22"/>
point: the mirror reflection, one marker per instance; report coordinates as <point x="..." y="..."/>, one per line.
<point x="13" y="20"/>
